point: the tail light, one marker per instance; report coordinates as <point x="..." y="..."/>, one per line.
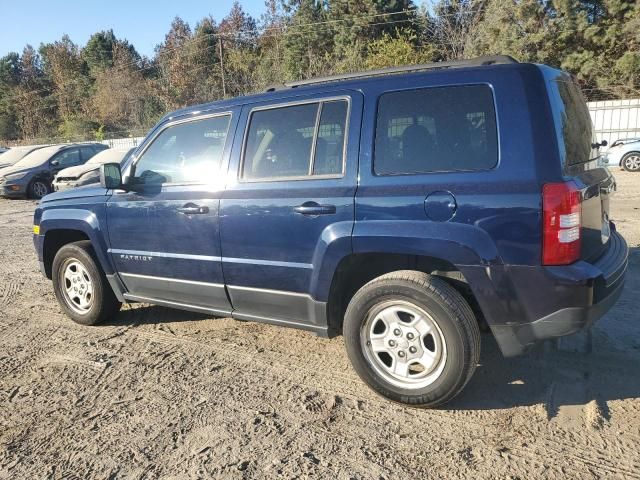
<point x="562" y="211"/>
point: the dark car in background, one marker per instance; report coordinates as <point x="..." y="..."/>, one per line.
<point x="32" y="176"/>
<point x="89" y="172"/>
<point x="14" y="155"/>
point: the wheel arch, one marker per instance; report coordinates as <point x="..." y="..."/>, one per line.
<point x="357" y="269"/>
<point x="60" y="227"/>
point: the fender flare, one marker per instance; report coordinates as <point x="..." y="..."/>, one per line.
<point x="81" y="220"/>
<point x="457" y="243"/>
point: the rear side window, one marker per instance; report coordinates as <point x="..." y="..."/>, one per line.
<point x="436" y="129"/>
<point x="87" y="153"/>
<point x="189" y="152"/>
<point x="296" y="141"/>
<point x="573" y="122"/>
<point x="69" y="158"/>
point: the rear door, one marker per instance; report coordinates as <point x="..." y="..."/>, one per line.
<point x="164" y="231"/>
<point x="579" y="153"/>
<point x="289" y="201"/>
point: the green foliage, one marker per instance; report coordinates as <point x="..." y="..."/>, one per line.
<point x="98" y="134"/>
<point x="105" y="88"/>
<point x="76" y="129"/>
<point x="401" y="49"/>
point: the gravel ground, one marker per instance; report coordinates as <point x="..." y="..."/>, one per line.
<point x="158" y="393"/>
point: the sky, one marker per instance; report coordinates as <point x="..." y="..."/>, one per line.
<point x="143" y="22"/>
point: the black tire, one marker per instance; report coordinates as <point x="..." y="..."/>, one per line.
<point x="38" y="188"/>
<point x="104" y="303"/>
<point x="625" y="160"/>
<point x="446" y="308"/>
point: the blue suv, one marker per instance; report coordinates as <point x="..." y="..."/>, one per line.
<point x="404" y="208"/>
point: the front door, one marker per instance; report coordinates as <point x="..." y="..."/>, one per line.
<point x="289" y="204"/>
<point x="163" y="232"/>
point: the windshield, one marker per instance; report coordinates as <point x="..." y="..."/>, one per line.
<point x="36" y="158"/>
<point x="12" y="156"/>
<point x="108" y="156"/>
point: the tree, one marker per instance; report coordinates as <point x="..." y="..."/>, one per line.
<point x="308" y="43"/>
<point x="401" y="49"/>
<point x="68" y="73"/>
<point x="523" y="29"/>
<point x="121" y="93"/>
<point x="9" y="80"/>
<point x="238" y="34"/>
<point x="34" y="109"/>
<point x="99" y="51"/>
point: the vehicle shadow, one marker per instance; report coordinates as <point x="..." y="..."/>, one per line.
<point x="572" y="371"/>
<point x="152" y="315"/>
<point x="589" y="366"/>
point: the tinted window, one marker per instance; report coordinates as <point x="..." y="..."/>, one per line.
<point x="576" y="130"/>
<point x="87" y="153"/>
<point x="331" y="135"/>
<point x="68" y="158"/>
<point x="280" y="141"/>
<point x="187" y="152"/>
<point x="436" y="129"/>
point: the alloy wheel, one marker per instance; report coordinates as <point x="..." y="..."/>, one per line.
<point x="403" y="344"/>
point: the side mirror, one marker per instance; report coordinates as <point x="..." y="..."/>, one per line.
<point x="110" y="176"/>
<point x="55" y="163"/>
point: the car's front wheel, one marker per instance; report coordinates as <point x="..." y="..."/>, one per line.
<point x="38" y="189"/>
<point x="412" y="338"/>
<point x="631" y="162"/>
<point x="80" y="286"/>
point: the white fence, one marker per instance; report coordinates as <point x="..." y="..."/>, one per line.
<point x="615" y="119"/>
<point x="123" y="142"/>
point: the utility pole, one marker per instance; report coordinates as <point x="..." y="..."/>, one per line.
<point x="224" y="88"/>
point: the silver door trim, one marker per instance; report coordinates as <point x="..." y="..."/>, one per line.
<point x="182" y="256"/>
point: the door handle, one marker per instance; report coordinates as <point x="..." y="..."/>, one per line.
<point x="313" y="208"/>
<point x="191" y="209"/>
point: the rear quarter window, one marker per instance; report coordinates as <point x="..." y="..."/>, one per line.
<point x="436" y="129"/>
<point x="573" y="122"/>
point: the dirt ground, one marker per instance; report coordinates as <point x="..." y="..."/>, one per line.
<point x="159" y="393"/>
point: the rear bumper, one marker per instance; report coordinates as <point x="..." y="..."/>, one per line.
<point x="524" y="305"/>
<point x="519" y="338"/>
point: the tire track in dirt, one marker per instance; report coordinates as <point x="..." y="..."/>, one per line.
<point x="314" y="403"/>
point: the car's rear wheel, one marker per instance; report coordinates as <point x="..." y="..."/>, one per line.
<point x="631" y="162"/>
<point x="38" y="189"/>
<point x="80" y="285"/>
<point x="412" y="338"/>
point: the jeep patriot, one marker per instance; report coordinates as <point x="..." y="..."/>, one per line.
<point x="404" y="208"/>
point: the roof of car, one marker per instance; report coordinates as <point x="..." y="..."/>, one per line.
<point x="55" y="148"/>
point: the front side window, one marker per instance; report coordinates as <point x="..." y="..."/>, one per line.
<point x="296" y="141"/>
<point x="189" y="152"/>
<point x="436" y="129"/>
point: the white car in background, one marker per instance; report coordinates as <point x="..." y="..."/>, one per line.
<point x="625" y="153"/>
<point x="89" y="172"/>
<point x="14" y="155"/>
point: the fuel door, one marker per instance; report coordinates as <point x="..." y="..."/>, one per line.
<point x="440" y="206"/>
